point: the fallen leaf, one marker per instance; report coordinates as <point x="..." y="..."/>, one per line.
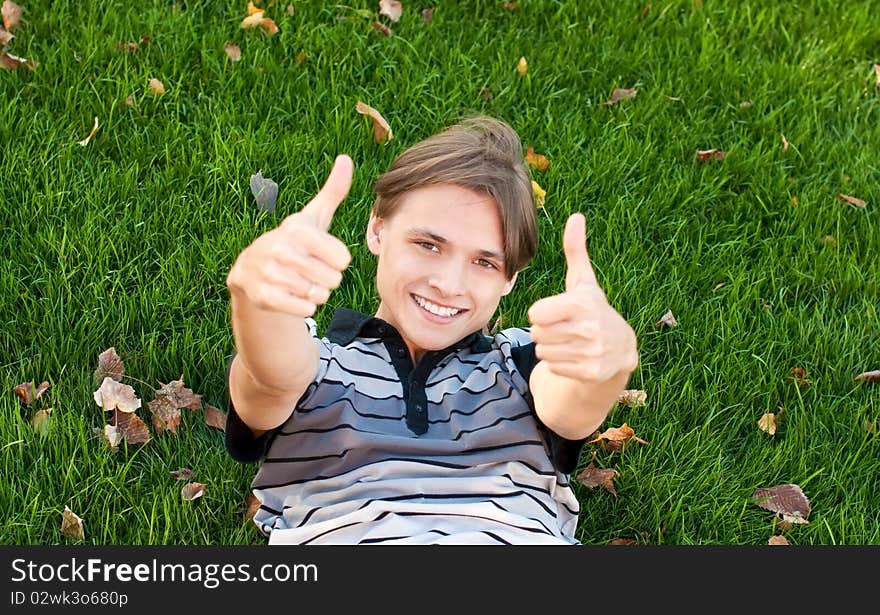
<point x="536" y="161"/>
<point x="156" y="86"/>
<point x="165" y="415"/>
<point x="787" y="500"/>
<point x="798" y="375"/>
<point x="301" y="57"/>
<point x="392" y="9"/>
<point x="872" y="376"/>
<point x="777" y="540"/>
<point x="40" y="421"/>
<point x="717" y="286"/>
<point x="214" y="417"/>
<point x="591" y="476"/>
<point x="115" y="395"/>
<point x="632" y="398"/>
<point x="487" y="94"/>
<point x="110" y="435"/>
<point x="511" y="6"/>
<point x="191" y="491"/>
<point x="381" y="129"/>
<point x="853" y="200"/>
<point x="290" y="10"/>
<point x="182" y="474"/>
<point x="877" y="73"/>
<point x="109" y="364"/>
<point x="872" y="426"/>
<point x="179" y="395"/>
<point x="746" y="104"/>
<point x="623" y="433"/>
<point x="256" y="18"/>
<point x="427" y="14"/>
<point x="645" y="10"/>
<point x="795" y="201"/>
<point x="707" y="155"/>
<point x="11" y="14"/>
<point x="253" y="505"/>
<point x="131" y="428"/>
<point x="381" y="27"/>
<point x="85" y="141"/>
<point x="5" y="38"/>
<point x="71" y="525"/>
<point x="27" y="393"/>
<point x="130" y="47"/>
<point x="539" y="194"/>
<point x="828" y="240"/>
<point x="265" y="191"/>
<point x="233" y="52"/>
<point x="129" y="102"/>
<point x="623" y="541"/>
<point x="11" y="62"/>
<point x="784" y="143"/>
<point x="619" y="94"/>
<point x="767" y="423"/>
<point x="668" y="320"/>
<point x="522" y="67"/>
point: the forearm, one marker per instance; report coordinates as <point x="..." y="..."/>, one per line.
<point x="573" y="409"/>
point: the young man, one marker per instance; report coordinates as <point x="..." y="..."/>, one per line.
<point x="412" y="426"/>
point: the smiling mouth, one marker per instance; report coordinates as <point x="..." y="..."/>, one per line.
<point x="436" y="310"/>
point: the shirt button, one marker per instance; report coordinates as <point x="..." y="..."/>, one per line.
<point x="419" y="408"/>
<point x="381" y="330"/>
<point x="401" y="352"/>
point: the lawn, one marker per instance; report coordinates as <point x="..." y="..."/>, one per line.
<point x="771" y="275"/>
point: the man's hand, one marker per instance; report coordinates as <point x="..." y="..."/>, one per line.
<point x="292" y="268"/>
<point x="577" y="333"/>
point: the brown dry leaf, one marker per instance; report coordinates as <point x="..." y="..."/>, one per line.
<point x="182" y="474"/>
<point x="536" y="161"/>
<point x="301" y="57"/>
<point x="767" y="423"/>
<point x="632" y="398"/>
<point x="487" y="94"/>
<point x="252" y="506"/>
<point x="591" y="476"/>
<point x="11" y="62"/>
<point x="381" y="129"/>
<point x="130" y="47"/>
<point x="109" y="363"/>
<point x="708" y="155"/>
<point x="40" y="421"/>
<point x="71" y="525"/>
<point x="110" y="435"/>
<point x="233" y="52"/>
<point x="619" y="94"/>
<point x="168" y="402"/>
<point x="85" y="141"/>
<point x="788" y="500"/>
<point x="872" y="426"/>
<point x="539" y="194"/>
<point x="777" y="540"/>
<point x="645" y="10"/>
<point x="115" y="395"/>
<point x="872" y="376"/>
<point x="191" y="491"/>
<point x="156" y="86"/>
<point x="784" y="143"/>
<point x="5" y="39"/>
<point x="256" y="18"/>
<point x="668" y="320"/>
<point x="511" y="6"/>
<point x="179" y="395"/>
<point x="392" y="9"/>
<point x="877" y="73"/>
<point x="27" y="393"/>
<point x="623" y="541"/>
<point x="290" y="10"/>
<point x="11" y="14"/>
<point x="427" y="14"/>
<point x="623" y="433"/>
<point x="214" y="417"/>
<point x="131" y="428"/>
<point x="828" y="240"/>
<point x="381" y="27"/>
<point x="853" y="200"/>
<point x="798" y="374"/>
<point x="522" y="67"/>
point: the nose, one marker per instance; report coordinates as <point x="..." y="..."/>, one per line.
<point x="449" y="278"/>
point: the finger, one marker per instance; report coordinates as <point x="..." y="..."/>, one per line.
<point x="277" y="298"/>
<point x="565" y="331"/>
<point x="549" y="310"/>
<point x="292" y="265"/>
<point x="580" y="352"/>
<point x="324" y="247"/>
<point x="321" y="208"/>
<point x="592" y="372"/>
<point x="579" y="269"/>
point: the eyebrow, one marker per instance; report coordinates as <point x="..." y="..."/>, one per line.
<point x="420" y="231"/>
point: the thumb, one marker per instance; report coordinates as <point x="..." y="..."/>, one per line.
<point x="332" y="193"/>
<point x="579" y="269"/>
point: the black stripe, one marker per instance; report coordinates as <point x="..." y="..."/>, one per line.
<point x="349" y="385"/>
<point x="457" y="376"/>
<point x="299" y="459"/>
<point x="480" y="497"/>
<point x="365" y="375"/>
<point x="350" y="403"/>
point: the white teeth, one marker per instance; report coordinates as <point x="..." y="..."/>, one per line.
<point x="436" y="309"/>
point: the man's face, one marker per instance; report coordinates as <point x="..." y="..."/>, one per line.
<point x="441" y="265"/>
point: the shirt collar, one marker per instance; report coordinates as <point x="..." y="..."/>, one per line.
<point x="347" y="324"/>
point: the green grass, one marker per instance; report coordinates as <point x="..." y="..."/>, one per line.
<point x="126" y="242"/>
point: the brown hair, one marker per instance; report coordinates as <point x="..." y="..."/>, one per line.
<point x="482" y="154"/>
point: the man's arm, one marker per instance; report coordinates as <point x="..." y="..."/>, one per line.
<point x="586" y="350"/>
<point x="275" y="283"/>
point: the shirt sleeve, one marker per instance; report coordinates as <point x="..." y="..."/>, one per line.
<point x="564" y="453"/>
<point x="241" y="443"/>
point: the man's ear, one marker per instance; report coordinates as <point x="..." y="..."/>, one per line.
<point x="374" y="234"/>
<point x="509" y="285"/>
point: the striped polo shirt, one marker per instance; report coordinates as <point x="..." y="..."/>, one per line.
<point x="379" y="450"/>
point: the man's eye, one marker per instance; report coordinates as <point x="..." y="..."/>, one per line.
<point x="487" y="264"/>
<point x="425" y="244"/>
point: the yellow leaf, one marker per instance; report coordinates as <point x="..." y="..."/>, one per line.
<point x="539" y="194"/>
<point x="522" y="66"/>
